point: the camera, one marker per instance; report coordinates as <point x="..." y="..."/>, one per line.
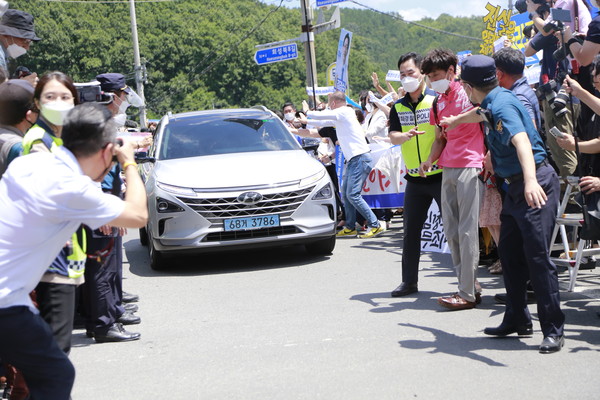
<point x="556" y="96"/>
<point x="521" y="6"/>
<point x="91" y="92"/>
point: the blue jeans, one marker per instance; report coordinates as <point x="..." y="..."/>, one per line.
<point x="357" y="170"/>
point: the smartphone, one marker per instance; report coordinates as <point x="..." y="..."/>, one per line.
<point x="556" y="133"/>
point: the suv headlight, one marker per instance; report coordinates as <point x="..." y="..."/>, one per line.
<point x="183" y="191"/>
<point x="326" y="192"/>
<point x="313" y="178"/>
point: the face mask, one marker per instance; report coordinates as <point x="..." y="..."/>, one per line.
<point x="410" y="84"/>
<point x="55" y="112"/>
<point x="15" y="51"/>
<point x="290" y="116"/>
<point x="440" y="86"/>
<point x="369" y="107"/>
<point x="124" y="106"/>
<point x="120" y="119"/>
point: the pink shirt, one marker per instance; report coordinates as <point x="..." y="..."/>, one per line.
<point x="464" y="146"/>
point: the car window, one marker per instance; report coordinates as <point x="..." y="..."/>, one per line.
<point x="211" y="136"/>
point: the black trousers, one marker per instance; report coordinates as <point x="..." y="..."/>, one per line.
<point x="26" y="342"/>
<point x="56" y="302"/>
<point x="102" y="291"/>
<point x="417" y="200"/>
<point x="524" y="251"/>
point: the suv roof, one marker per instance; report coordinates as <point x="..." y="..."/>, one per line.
<point x="224" y="113"/>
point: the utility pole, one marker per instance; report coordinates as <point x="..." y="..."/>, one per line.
<point x="139" y="84"/>
<point x="308" y="37"/>
<point x="510" y="5"/>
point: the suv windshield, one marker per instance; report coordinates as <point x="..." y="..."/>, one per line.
<point x="191" y="137"/>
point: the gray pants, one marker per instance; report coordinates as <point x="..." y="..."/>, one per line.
<point x="461" y="193"/>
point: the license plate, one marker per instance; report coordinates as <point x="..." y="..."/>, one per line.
<point x="248" y="223"/>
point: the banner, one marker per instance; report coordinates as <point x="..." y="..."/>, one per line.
<point x="433" y="237"/>
<point x="341" y="71"/>
<point x="498" y="23"/>
<point x="384" y="188"/>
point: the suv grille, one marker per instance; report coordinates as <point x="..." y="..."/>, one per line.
<point x="217" y="209"/>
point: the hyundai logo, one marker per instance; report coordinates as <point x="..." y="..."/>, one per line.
<point x="249" y="198"/>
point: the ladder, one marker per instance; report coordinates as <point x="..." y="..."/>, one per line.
<point x="583" y="248"/>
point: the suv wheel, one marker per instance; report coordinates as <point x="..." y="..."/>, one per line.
<point x="157" y="259"/>
<point x="321" y="247"/>
<point x="143" y="237"/>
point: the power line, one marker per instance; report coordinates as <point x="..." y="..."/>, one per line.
<point x="416" y="23"/>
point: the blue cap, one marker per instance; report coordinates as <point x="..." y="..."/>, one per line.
<point x="112" y="82"/>
<point x="478" y="70"/>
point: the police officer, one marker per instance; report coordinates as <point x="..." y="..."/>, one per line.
<point x="529" y="208"/>
<point x="102" y="294"/>
<point x="410" y="127"/>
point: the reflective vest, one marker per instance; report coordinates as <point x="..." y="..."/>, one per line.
<point x="37" y="134"/>
<point x="417" y="149"/>
<point x="78" y="244"/>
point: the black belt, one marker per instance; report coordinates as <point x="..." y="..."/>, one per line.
<point x="518" y="177"/>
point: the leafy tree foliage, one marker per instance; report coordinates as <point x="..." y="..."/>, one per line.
<point x="200" y="54"/>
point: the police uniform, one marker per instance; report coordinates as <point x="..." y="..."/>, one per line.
<point x="103" y="272"/>
<point x="419" y="192"/>
<point x="525" y="232"/>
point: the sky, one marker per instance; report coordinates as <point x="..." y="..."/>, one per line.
<point x="415" y="10"/>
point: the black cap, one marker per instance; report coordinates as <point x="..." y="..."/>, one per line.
<point x="478" y="70"/>
<point x="16" y="98"/>
<point x="18" y="24"/>
<point x="112" y="82"/>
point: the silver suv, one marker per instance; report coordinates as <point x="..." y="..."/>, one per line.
<point x="232" y="179"/>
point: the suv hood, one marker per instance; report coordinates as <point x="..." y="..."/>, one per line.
<point x="237" y="169"/>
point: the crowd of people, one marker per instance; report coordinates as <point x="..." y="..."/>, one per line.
<point x="474" y="139"/>
<point x="64" y="214"/>
<point x="477" y="143"/>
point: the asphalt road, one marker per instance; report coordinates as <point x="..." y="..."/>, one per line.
<point x="279" y="324"/>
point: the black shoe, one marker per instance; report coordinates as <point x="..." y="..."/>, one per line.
<point x="505" y="330"/>
<point x="552" y="344"/>
<point x="405" y="289"/>
<point x="89" y="334"/>
<point x="130" y="298"/>
<point x="116" y="333"/>
<point x="130" y="307"/>
<point x="501" y="298"/>
<point x="128" y="318"/>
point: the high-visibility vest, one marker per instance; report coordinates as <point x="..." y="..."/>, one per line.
<point x="77" y="254"/>
<point x="417" y="149"/>
<point x="37" y="134"/>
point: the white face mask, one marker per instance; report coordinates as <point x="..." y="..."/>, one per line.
<point x="120" y="119"/>
<point x="369" y="107"/>
<point x="290" y="116"/>
<point x="56" y="111"/>
<point x="440" y="86"/>
<point x="15" y="51"/>
<point x="410" y="84"/>
<point x="124" y="106"/>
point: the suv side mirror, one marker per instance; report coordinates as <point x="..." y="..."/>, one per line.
<point x="142" y="157"/>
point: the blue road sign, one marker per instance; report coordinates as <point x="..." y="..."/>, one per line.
<point x="321" y="3"/>
<point x="276" y="54"/>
